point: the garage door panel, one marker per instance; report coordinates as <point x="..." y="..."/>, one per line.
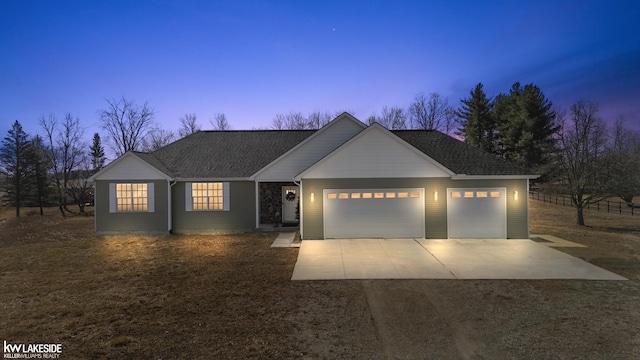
<point x="360" y="214"/>
<point x="476" y="213"/>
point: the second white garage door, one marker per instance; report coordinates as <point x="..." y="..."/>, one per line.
<point x="373" y="213"/>
<point x="479" y="213"/>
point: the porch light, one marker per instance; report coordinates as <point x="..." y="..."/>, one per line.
<point x="312" y="197"/>
<point x="435" y="196"/>
<point x="515" y="195"/>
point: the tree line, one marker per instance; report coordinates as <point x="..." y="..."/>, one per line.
<point x="574" y="150"/>
<point x="54" y="168"/>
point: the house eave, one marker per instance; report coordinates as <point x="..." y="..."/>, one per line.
<point x="97" y="175"/>
<point x="211" y="179"/>
<point x="493" y="177"/>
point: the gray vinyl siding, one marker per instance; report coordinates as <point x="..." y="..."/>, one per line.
<point x="314" y="149"/>
<point x="131" y="222"/>
<point x="435" y="211"/>
<point x="240" y="217"/>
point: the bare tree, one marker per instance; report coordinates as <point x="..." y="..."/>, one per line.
<point x="431" y="113"/>
<point x="126" y="123"/>
<point x="65" y="153"/>
<point x="317" y="119"/>
<point x="188" y="125"/>
<point x="583" y="169"/>
<point x="157" y="138"/>
<point x="278" y="122"/>
<point x="393" y="118"/>
<point x="418" y="114"/>
<point x="79" y="188"/>
<point x="290" y="121"/>
<point x="220" y="122"/>
<point x="624" y="161"/>
<point x="451" y="121"/>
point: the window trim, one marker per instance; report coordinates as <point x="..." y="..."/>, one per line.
<point x="113" y="200"/>
<point x="188" y="196"/>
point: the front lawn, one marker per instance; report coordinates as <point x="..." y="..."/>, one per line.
<point x="201" y="296"/>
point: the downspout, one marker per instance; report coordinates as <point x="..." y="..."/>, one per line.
<point x="257" y="205"/>
<point x="95" y="221"/>
<point x="170" y="210"/>
<point x="301" y="199"/>
<point x="528" y="220"/>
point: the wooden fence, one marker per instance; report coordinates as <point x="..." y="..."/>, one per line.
<point x="614" y="207"/>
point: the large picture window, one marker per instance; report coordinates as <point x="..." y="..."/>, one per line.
<point x="131" y="197"/>
<point x="207" y="196"/>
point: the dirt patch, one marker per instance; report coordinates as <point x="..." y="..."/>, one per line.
<point x="231" y="297"/>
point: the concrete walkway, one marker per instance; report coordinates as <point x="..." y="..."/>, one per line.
<point x="285" y="239"/>
<point x="439" y="259"/>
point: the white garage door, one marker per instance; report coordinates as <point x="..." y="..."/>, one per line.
<point x="373" y="213"/>
<point x="479" y="213"/>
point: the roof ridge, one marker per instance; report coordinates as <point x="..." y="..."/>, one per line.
<point x="252" y="130"/>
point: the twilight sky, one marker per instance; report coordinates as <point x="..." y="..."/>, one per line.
<point x="254" y="59"/>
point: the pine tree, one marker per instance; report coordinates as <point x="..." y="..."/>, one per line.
<point x="38" y="161"/>
<point x="479" y="127"/>
<point x="97" y="153"/>
<point x="13" y="159"/>
<point x="526" y="126"/>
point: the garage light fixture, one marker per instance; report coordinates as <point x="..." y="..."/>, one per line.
<point x="312" y="197"/>
<point x="435" y="196"/>
<point x="515" y="195"/>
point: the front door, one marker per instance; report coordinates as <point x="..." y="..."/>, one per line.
<point x="289" y="204"/>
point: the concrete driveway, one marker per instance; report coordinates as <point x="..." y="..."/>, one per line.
<point x="439" y="259"/>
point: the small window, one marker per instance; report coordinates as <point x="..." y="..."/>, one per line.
<point x="378" y="195"/>
<point x="415" y="194"/>
<point x="495" y="194"/>
<point x="455" y="195"/>
<point x="403" y="195"/>
<point x="355" y="195"/>
<point x="468" y="194"/>
<point x="343" y="195"/>
<point x="332" y="196"/>
<point x="366" y="195"/>
<point x="391" y="195"/>
<point x="481" y="194"/>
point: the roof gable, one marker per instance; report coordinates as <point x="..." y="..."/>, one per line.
<point x="133" y="166"/>
<point x="312" y="149"/>
<point x="375" y="153"/>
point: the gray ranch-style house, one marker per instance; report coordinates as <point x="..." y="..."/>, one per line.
<point x="345" y="180"/>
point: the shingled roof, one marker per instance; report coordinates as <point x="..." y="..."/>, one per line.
<point x="239" y="154"/>
<point x="457" y="156"/>
<point x="226" y="154"/>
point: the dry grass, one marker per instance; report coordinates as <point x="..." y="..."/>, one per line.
<point x="141" y="296"/>
<point x="230" y="297"/>
<point x="613" y="240"/>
